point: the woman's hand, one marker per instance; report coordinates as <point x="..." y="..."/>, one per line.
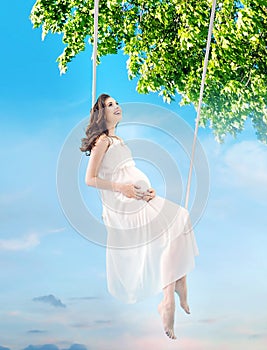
<point x="149" y="194"/>
<point x="131" y="191"/>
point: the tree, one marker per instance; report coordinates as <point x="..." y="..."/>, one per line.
<point x="165" y="41"/>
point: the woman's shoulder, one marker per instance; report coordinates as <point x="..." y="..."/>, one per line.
<point x="115" y="137"/>
<point x="107" y="140"/>
<point x="103" y="138"/>
<point x="102" y="143"/>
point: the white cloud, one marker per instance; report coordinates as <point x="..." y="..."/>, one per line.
<point x="26" y="242"/>
<point x="238" y="165"/>
<point x="57" y="230"/>
<point x="244" y="165"/>
<point x="29" y="241"/>
<point x="13" y="197"/>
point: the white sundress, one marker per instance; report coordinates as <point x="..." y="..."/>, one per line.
<point x="149" y="244"/>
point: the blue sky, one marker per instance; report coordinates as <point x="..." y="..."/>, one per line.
<point x="53" y="283"/>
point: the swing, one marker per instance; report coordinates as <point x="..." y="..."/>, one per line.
<point x="94" y="57"/>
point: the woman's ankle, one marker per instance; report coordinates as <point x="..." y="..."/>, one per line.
<point x="168" y="302"/>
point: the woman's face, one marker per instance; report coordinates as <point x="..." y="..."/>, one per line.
<point x="113" y="112"/>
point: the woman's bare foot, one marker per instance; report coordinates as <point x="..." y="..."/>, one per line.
<point x="181" y="290"/>
<point x="166" y="312"/>
<point x="185" y="307"/>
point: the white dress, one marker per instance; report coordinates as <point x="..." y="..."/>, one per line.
<point x="149" y="244"/>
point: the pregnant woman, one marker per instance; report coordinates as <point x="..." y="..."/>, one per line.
<point x="150" y="244"/>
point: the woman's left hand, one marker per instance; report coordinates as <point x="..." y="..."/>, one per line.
<point x="149" y="194"/>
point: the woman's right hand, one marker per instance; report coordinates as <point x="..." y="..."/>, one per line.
<point x="131" y="191"/>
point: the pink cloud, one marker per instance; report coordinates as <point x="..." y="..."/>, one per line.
<point x="157" y="342"/>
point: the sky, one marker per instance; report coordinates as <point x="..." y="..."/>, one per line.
<point x="53" y="280"/>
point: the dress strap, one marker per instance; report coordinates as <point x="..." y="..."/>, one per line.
<point x="115" y="137"/>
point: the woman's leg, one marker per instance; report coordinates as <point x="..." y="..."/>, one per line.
<point x="181" y="290"/>
<point x="167" y="308"/>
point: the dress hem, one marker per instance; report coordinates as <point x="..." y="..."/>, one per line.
<point x="126" y="301"/>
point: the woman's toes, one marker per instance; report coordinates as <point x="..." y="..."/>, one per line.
<point x="185" y="307"/>
<point x="170" y="334"/>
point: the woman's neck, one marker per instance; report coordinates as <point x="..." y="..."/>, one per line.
<point x="111" y="132"/>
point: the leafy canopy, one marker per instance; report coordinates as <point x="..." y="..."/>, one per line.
<point x="166" y="40"/>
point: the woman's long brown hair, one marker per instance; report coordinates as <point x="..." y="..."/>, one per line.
<point x="97" y="125"/>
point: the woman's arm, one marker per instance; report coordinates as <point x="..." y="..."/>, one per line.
<point x="96" y="156"/>
<point x="92" y="179"/>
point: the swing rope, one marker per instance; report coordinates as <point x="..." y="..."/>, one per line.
<point x="200" y="102"/>
<point x="94" y="57"/>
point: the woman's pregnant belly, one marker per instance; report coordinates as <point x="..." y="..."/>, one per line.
<point x="117" y="201"/>
<point x="139" y="178"/>
<point x="135" y="176"/>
